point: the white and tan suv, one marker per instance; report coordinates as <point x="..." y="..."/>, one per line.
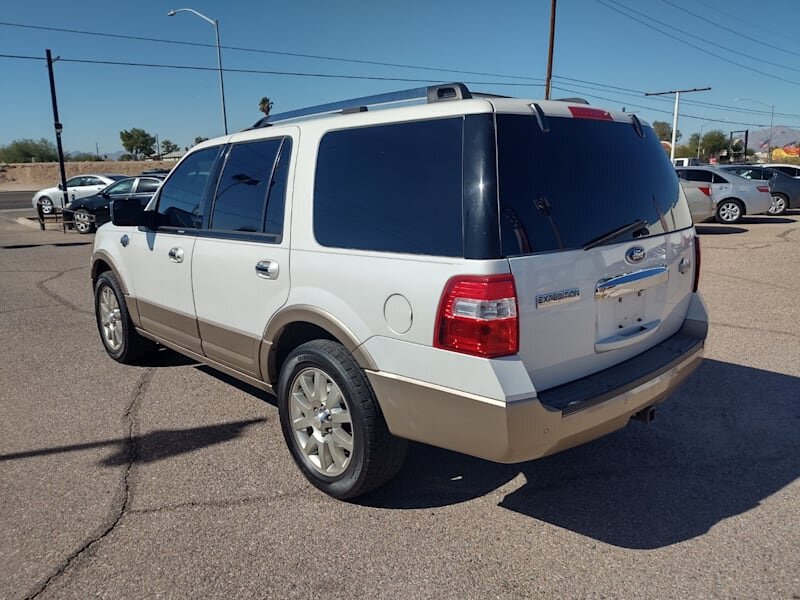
<point x="437" y="270"/>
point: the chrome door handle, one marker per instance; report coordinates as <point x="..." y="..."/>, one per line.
<point x="267" y="269"/>
<point x="176" y="255"/>
<point x="629" y="283"/>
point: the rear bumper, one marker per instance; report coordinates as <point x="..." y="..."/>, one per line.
<point x="510" y="432"/>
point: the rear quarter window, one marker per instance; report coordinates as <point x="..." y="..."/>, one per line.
<point x="391" y="188"/>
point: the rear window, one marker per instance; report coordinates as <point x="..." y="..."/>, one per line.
<point x="391" y="188"/>
<point x="579" y="181"/>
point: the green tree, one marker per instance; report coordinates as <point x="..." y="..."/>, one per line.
<point x="82" y="156"/>
<point x="713" y="141"/>
<point x="664" y="131"/>
<point x="265" y="105"/>
<point x="168" y="146"/>
<point x="199" y="139"/>
<point x="28" y="150"/>
<point x="138" y="142"/>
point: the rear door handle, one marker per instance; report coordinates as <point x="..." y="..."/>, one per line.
<point x="176" y="255"/>
<point x="267" y="269"/>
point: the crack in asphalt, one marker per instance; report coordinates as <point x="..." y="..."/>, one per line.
<point x="216" y="503"/>
<point x="773" y="331"/>
<point x="121" y="499"/>
<point x="58" y="297"/>
<point x="739" y="278"/>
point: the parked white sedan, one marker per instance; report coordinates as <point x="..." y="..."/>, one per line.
<point x="79" y="186"/>
<point x="733" y="196"/>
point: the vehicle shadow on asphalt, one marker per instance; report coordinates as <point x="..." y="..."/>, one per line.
<point x="56" y="244"/>
<point x="150" y="447"/>
<point x="718" y="230"/>
<point x="723" y="442"/>
<point x="766" y="220"/>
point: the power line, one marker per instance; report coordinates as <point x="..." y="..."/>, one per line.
<point x="258" y="71"/>
<point x="690" y="44"/>
<point x="707" y="21"/>
<point x="749" y="22"/>
<point x="261" y="51"/>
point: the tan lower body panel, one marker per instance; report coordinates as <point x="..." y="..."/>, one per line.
<point x="238" y="350"/>
<point x="515" y="431"/>
<point x="170" y="325"/>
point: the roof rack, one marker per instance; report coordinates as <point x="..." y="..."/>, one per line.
<point x="432" y="93"/>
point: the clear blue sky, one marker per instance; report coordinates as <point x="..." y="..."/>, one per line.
<point x="594" y="43"/>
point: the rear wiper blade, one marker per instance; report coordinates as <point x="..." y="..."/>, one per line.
<point x="615" y="233"/>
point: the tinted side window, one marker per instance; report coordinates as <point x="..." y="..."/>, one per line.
<point x="181" y="199"/>
<point x="147" y="185"/>
<point x="691" y="175"/>
<point x="718" y="178"/>
<point x="273" y="223"/>
<point x="243" y="187"/>
<point x="392" y="188"/>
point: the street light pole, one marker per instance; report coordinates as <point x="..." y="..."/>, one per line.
<point x="215" y="23"/>
<point x="675" y="114"/>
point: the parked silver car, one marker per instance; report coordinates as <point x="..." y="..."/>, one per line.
<point x="733" y="196"/>
<point x="79" y="186"/>
<point x="698" y="195"/>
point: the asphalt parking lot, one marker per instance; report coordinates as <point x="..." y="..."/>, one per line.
<point x="172" y="480"/>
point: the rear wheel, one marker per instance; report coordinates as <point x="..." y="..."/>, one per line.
<point x="83" y="221"/>
<point x="332" y="423"/>
<point x="46" y="204"/>
<point x="729" y="211"/>
<point x="779" y="204"/>
<point x="119" y="336"/>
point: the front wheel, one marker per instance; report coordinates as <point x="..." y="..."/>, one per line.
<point x="729" y="211"/>
<point x="83" y="221"/>
<point x="120" y="339"/>
<point x="332" y="422"/>
<point x="46" y="204"/>
<point x="779" y="205"/>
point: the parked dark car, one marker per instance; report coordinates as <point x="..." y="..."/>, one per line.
<point x="87" y="214"/>
<point x="784" y="189"/>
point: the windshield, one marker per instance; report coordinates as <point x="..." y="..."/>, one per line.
<point x="580" y="181"/>
<point x="120" y="187"/>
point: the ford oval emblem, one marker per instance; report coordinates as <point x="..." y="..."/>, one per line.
<point x="635" y="254"/>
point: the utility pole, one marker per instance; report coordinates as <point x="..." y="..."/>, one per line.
<point x="59" y="128"/>
<point x="550" y="50"/>
<point x="675" y="113"/>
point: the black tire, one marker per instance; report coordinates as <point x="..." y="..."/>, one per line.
<point x="47" y="205"/>
<point x="729" y="211"/>
<point x="131" y="346"/>
<point x="81" y="221"/>
<point x="376" y="455"/>
<point x="780" y="204"/>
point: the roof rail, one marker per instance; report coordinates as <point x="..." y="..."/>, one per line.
<point x="572" y="100"/>
<point x="432" y="93"/>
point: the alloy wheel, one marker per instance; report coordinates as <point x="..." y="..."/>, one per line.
<point x="729" y="212"/>
<point x="110" y="319"/>
<point x="321" y="422"/>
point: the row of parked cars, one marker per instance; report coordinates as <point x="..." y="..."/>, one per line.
<point x="90" y="196"/>
<point x="731" y="191"/>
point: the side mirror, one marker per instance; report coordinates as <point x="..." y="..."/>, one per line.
<point x="59" y="187"/>
<point x="127" y="212"/>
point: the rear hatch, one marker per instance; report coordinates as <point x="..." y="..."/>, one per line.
<point x="597" y="234"/>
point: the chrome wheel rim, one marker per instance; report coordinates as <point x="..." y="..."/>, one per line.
<point x="778" y="205"/>
<point x="82" y="221"/>
<point x="729" y="211"/>
<point x="47" y="205"/>
<point x="110" y="319"/>
<point x="321" y="422"/>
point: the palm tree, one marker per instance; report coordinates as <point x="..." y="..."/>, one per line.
<point x="265" y="105"/>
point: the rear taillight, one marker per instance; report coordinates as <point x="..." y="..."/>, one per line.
<point x="706" y="190"/>
<point x="763" y="188"/>
<point x="478" y="316"/>
<point x="696" y="263"/>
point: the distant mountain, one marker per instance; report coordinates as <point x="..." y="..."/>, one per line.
<point x="781" y="135"/>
